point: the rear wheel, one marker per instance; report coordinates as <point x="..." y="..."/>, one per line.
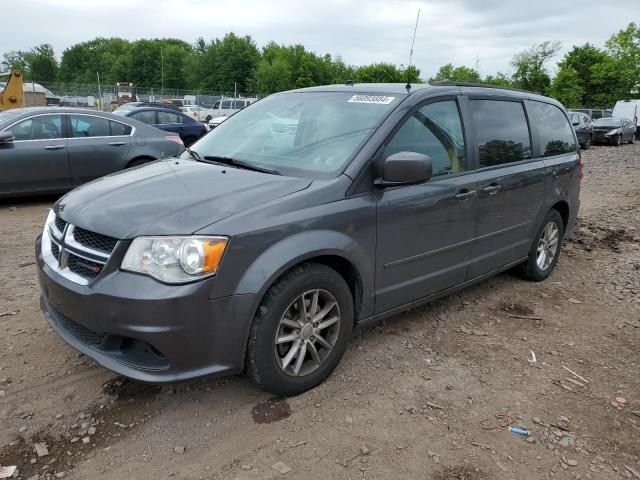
<point x="587" y="143"/>
<point x="633" y="138"/>
<point x="545" y="248"/>
<point x="301" y="330"/>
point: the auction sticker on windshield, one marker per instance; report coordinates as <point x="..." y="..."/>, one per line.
<point x="378" y="99"/>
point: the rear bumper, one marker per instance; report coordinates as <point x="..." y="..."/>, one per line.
<point x="146" y="330"/>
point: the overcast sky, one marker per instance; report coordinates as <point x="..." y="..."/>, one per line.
<point x="365" y="31"/>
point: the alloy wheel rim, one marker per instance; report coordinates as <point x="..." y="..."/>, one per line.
<point x="307" y="332"/>
<point x="548" y="245"/>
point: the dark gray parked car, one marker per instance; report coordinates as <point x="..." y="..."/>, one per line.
<point x="51" y="150"/>
<point x="583" y="125"/>
<point x="302" y="216"/>
<point x="614" y="131"/>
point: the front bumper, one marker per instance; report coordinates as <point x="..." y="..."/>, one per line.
<point x="146" y="330"/>
<point x="602" y="138"/>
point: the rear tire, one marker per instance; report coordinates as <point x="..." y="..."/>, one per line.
<point x="545" y="249"/>
<point x="633" y="138"/>
<point x="587" y="143"/>
<point x="284" y="354"/>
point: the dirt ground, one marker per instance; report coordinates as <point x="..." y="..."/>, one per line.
<point x="425" y="395"/>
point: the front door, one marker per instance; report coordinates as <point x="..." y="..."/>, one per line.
<point x="97" y="146"/>
<point x="36" y="160"/>
<point x="425" y="231"/>
<point x="511" y="185"/>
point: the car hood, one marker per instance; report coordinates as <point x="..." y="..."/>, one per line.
<point x="170" y="197"/>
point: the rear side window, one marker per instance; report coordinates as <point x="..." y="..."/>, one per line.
<point x="89" y="126"/>
<point x="433" y="130"/>
<point x="501" y="131"/>
<point x="555" y="132"/>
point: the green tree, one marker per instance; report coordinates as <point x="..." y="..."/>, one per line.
<point x="42" y="63"/>
<point x="273" y="77"/>
<point x="38" y="64"/>
<point x="14" y="60"/>
<point x="108" y="56"/>
<point x="379" y="73"/>
<point x="456" y="74"/>
<point x="624" y="48"/>
<point x="499" y="79"/>
<point x="530" y="70"/>
<point x="567" y="88"/>
<point x="581" y="60"/>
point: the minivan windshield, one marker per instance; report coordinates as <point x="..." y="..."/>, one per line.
<point x="306" y="134"/>
<point x="608" y="122"/>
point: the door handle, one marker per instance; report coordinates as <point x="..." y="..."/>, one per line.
<point x="54" y="147"/>
<point x="465" y="194"/>
<point x="116" y="144"/>
<point x="492" y="189"/>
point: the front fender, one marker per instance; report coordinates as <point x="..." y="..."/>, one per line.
<point x="303" y="246"/>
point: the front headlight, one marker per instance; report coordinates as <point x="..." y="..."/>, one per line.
<point x="615" y="131"/>
<point x="175" y="259"/>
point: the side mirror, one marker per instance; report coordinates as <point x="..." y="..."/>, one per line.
<point x="6" y="137"/>
<point x="404" y="168"/>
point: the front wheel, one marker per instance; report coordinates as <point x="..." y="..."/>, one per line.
<point x="618" y="141"/>
<point x="545" y="249"/>
<point x="301" y="330"/>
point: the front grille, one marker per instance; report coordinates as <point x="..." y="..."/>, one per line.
<point x="84" y="268"/>
<point x="60" y="224"/>
<point x="93" y="240"/>
<point x="55" y="250"/>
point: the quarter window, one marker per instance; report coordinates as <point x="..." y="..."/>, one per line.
<point x="556" y="135"/>
<point x="118" y="128"/>
<point x="88" y="126"/>
<point x="433" y="130"/>
<point x="501" y="131"/>
<point x="41" y="127"/>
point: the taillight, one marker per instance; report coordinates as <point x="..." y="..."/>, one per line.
<point x="174" y="138"/>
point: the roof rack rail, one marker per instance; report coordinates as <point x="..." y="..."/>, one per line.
<point x="449" y="83"/>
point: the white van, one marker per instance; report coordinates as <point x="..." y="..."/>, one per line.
<point x="629" y="109"/>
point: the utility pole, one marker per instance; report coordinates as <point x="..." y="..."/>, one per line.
<point x="100" y="92"/>
<point x="162" y="69"/>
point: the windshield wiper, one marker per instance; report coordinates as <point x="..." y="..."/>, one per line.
<point x="193" y="154"/>
<point x="232" y="162"/>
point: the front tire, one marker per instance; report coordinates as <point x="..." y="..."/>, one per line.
<point x="301" y="330"/>
<point x="618" y="141"/>
<point x="545" y="248"/>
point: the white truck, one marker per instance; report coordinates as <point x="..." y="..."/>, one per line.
<point x="629" y="109"/>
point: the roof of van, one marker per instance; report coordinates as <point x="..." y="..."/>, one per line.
<point x="401" y="89"/>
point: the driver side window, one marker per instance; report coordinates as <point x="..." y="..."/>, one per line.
<point x="434" y="130"/>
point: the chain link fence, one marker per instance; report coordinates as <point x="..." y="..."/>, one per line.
<point x="108" y="96"/>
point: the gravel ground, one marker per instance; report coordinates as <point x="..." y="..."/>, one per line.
<point x="427" y="394"/>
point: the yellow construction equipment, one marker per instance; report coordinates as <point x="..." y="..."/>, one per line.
<point x="13" y="94"/>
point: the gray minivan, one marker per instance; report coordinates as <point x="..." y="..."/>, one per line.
<point x="303" y="215"/>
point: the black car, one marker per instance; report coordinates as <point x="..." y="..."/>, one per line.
<point x="168" y="119"/>
<point x="583" y="125"/>
<point x="302" y="216"/>
<point x="614" y="131"/>
<point x="51" y="150"/>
